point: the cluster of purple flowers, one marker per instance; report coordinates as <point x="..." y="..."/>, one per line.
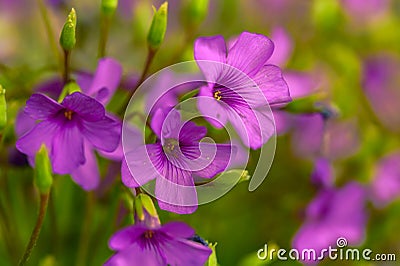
<point x="338" y="212"/>
<point x="76" y="126"/>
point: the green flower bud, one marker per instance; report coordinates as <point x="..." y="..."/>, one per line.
<point x="69" y="88"/>
<point x="194" y="12"/>
<point x="301" y="106"/>
<point x="43" y="171"/>
<point x="158" y="27"/>
<point x="108" y="7"/>
<point x="212" y="260"/>
<point x="67" y="37"/>
<point x="139" y="208"/>
<point x="3" y="108"/>
<point x="311" y="104"/>
<point x="147" y="204"/>
<point x="326" y="14"/>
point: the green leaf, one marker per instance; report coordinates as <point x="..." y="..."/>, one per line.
<point x="188" y="95"/>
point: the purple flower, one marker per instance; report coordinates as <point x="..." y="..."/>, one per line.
<point x="283" y="48"/>
<point x="363" y="10"/>
<point x="232" y="85"/>
<point x="157" y="246"/>
<point x="173" y="160"/>
<point x="301" y="84"/>
<point x="386" y="184"/>
<point x="322" y="174"/>
<point x="336" y="139"/>
<point x="167" y="88"/>
<point x="334" y="213"/>
<point x="100" y="85"/>
<point x="382" y="88"/>
<point x="66" y="128"/>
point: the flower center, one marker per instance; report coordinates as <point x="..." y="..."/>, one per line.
<point x="149" y="234"/>
<point x="217" y="95"/>
<point x="68" y="114"/>
<point x="170" y="146"/>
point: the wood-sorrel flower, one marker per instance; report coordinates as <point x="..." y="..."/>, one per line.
<point x="333" y="214"/>
<point x="233" y="81"/>
<point x="168" y="244"/>
<point x="65" y="128"/>
<point x="176" y="156"/>
<point x="101" y="86"/>
<point x="386" y="184"/>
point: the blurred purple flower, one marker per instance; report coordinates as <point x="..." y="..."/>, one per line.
<point x="57" y="3"/>
<point x="283" y="48"/>
<point x="334" y="213"/>
<point x="15" y="9"/>
<point x="300" y="84"/>
<point x="365" y="9"/>
<point x="64" y="127"/>
<point x="157" y="246"/>
<point x="322" y="174"/>
<point x="177" y="155"/>
<point x="381" y="85"/>
<point x="386" y="184"/>
<point x="335" y="139"/>
<point x="231" y="84"/>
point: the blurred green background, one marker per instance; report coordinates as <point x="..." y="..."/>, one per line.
<point x="330" y="41"/>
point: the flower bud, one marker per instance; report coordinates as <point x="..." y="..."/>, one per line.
<point x="43" y="171"/>
<point x="326" y="14"/>
<point x="139" y="209"/>
<point x="305" y="105"/>
<point x="158" y="27"/>
<point x="67" y="37"/>
<point x="147" y="204"/>
<point x="3" y="108"/>
<point x="194" y="12"/>
<point x="69" y="88"/>
<point x="212" y="260"/>
<point x="108" y="7"/>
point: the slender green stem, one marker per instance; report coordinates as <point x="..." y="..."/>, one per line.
<point x="105" y="28"/>
<point x="44" y="200"/>
<point x="86" y="228"/>
<point x="53" y="225"/>
<point x="66" y="72"/>
<point x="7" y="233"/>
<point x="150" y="56"/>
<point x="49" y="30"/>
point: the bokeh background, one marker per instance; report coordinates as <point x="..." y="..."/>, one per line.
<point x="342" y="56"/>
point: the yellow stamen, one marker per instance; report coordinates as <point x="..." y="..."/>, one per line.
<point x="148" y="234"/>
<point x="217" y="95"/>
<point x="170" y="145"/>
<point x="68" y="114"/>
